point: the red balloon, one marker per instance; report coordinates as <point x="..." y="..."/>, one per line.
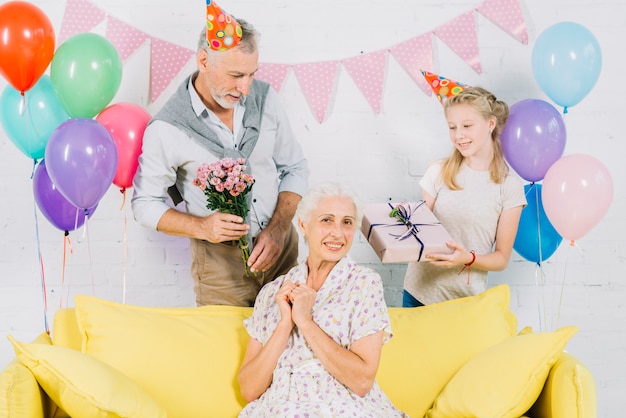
<point x="26" y="44"/>
<point x="126" y="122"/>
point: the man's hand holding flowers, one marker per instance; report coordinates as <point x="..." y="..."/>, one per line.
<point x="226" y="185"/>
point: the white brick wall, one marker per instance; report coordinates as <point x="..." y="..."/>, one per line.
<point x="381" y="156"/>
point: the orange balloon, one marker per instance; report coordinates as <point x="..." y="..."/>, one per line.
<point x="26" y="44"/>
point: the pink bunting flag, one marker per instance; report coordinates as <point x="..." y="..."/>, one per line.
<point x="508" y="15"/>
<point x="79" y="16"/>
<point x="166" y="61"/>
<point x="460" y="35"/>
<point x="125" y="38"/>
<point x="317" y="81"/>
<point x="272" y="73"/>
<point x="368" y="72"/>
<point x="413" y="55"/>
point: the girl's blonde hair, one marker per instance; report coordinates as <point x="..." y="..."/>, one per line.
<point x="488" y="106"/>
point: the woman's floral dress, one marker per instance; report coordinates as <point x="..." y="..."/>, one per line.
<point x="350" y="305"/>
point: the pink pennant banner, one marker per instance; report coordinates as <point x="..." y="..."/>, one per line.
<point x="125" y="38"/>
<point x="460" y="35"/>
<point x="274" y="74"/>
<point x="414" y="56"/>
<point x="166" y="61"/>
<point x="508" y="15"/>
<point x="317" y="80"/>
<point x="368" y="72"/>
<point x="79" y="16"/>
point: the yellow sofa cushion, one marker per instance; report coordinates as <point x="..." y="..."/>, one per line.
<point x="431" y="343"/>
<point x="504" y="380"/>
<point x="83" y="386"/>
<point x="187" y="358"/>
<point x="20" y="394"/>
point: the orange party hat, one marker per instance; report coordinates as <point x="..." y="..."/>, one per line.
<point x="222" y="30"/>
<point x="443" y="87"/>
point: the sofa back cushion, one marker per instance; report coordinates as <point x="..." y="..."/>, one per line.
<point x="431" y="343"/>
<point x="186" y="358"/>
<point x="65" y="332"/>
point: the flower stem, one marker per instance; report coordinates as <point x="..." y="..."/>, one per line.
<point x="245" y="253"/>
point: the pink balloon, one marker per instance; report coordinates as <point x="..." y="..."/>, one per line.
<point x="577" y="192"/>
<point x="126" y="122"/>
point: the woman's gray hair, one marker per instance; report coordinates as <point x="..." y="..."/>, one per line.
<point x="248" y="42"/>
<point x="311" y="199"/>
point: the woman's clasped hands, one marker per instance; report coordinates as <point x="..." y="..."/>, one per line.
<point x="295" y="301"/>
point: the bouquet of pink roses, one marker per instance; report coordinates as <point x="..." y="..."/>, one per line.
<point x="226" y="185"/>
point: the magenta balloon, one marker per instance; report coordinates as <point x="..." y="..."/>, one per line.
<point x="577" y="192"/>
<point x="61" y="213"/>
<point x="534" y="138"/>
<point x="81" y="159"/>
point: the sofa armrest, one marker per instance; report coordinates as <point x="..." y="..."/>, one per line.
<point x="20" y="394"/>
<point x="569" y="391"/>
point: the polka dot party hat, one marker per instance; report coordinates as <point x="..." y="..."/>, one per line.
<point x="443" y="87"/>
<point x="222" y="30"/>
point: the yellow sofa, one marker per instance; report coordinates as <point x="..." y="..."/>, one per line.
<point x="461" y="358"/>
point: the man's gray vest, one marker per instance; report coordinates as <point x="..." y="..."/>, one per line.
<point x="179" y="112"/>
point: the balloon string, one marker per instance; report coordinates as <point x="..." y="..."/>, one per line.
<point x="538" y="226"/>
<point x="67" y="246"/>
<point x="124" y="267"/>
<point x="123" y="191"/>
<point x="541" y="301"/>
<point x="86" y="233"/>
<point x="76" y="221"/>
<point x="29" y="123"/>
<point x="558" y="316"/>
<point x="44" y="290"/>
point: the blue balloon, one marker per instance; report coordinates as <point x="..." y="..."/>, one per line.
<point x="566" y="62"/>
<point x="29" y="120"/>
<point x="536" y="238"/>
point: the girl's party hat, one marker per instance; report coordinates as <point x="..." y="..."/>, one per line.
<point x="222" y="30"/>
<point x="443" y="87"/>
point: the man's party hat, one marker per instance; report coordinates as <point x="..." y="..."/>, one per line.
<point x="222" y="30"/>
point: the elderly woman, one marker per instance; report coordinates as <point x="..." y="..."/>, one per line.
<point x="316" y="333"/>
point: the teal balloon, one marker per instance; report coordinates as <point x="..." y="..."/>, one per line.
<point x="86" y="73"/>
<point x="536" y="238"/>
<point x="29" y="120"/>
<point x="566" y="62"/>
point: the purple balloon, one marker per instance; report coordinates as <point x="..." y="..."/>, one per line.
<point x="61" y="213"/>
<point x="81" y="158"/>
<point x="533" y="138"/>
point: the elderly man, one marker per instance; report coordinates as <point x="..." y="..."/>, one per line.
<point x="222" y="111"/>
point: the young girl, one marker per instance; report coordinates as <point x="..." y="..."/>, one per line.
<point x="475" y="197"/>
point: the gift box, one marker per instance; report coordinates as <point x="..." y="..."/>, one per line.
<point x="403" y="232"/>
